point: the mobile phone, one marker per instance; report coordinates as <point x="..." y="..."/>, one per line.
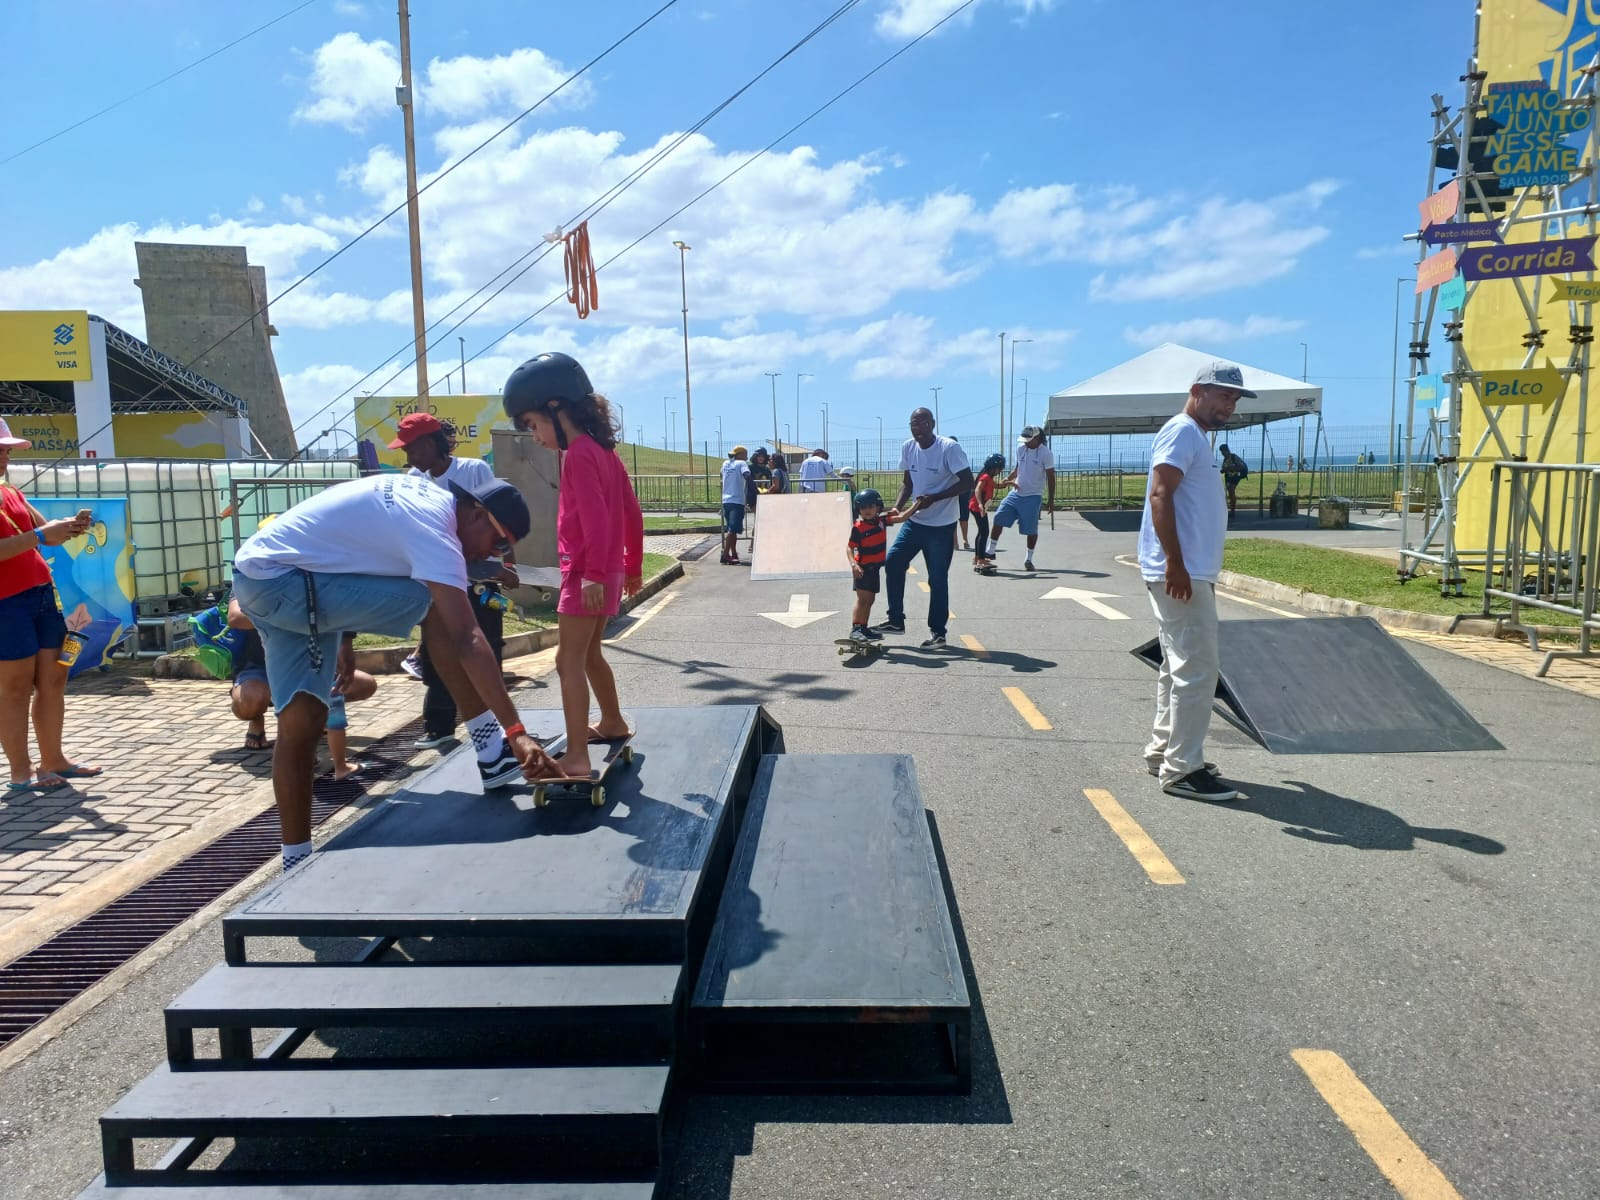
<point x="85" y="514"/>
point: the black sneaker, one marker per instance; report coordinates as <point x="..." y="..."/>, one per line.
<point x="502" y="771"/>
<point x="889" y="627"/>
<point x="1027" y="564"/>
<point x="873" y="635"/>
<point x="434" y="741"/>
<point x="1210" y="768"/>
<point x="936" y="642"/>
<point x="1200" y="785"/>
<point x="858" y="633"/>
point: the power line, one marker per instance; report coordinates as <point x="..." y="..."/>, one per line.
<point x="150" y="87"/>
<point x="436" y="179"/>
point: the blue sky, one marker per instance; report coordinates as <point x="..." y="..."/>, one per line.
<point x="1097" y="177"/>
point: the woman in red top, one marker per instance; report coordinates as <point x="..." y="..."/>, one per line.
<point x="599" y="537"/>
<point x="31" y="633"/>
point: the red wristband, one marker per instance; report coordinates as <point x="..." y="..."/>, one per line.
<point x="517" y="730"/>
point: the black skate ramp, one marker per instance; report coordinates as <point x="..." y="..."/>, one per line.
<point x="1333" y="685"/>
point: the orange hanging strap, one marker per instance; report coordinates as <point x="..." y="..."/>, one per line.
<point x="583" y="290"/>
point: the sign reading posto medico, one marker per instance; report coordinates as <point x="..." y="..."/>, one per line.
<point x="37" y="347"/>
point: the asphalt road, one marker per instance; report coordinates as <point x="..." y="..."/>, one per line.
<point x="1428" y="919"/>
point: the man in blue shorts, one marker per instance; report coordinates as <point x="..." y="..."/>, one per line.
<point x="379" y="555"/>
<point x="735" y="479"/>
<point x="1035" y="470"/>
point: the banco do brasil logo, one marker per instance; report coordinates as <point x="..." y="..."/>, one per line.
<point x="64" y="334"/>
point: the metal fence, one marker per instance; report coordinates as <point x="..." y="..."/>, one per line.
<point x="1543" y="550"/>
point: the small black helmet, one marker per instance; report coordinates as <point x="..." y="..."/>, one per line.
<point x="542" y="379"/>
<point x="994" y="463"/>
<point x="868" y="496"/>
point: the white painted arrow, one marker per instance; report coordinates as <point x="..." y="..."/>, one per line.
<point x="1090" y="600"/>
<point x="799" y="613"/>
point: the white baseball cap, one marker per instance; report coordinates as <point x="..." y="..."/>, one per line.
<point x="9" y="442"/>
<point x="1224" y="374"/>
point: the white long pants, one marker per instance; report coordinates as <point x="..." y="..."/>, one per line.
<point x="1187" y="684"/>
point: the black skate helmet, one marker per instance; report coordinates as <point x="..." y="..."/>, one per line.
<point x="868" y="496"/>
<point x="544" y="383"/>
<point x="994" y="464"/>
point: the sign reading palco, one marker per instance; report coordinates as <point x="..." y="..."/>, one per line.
<point x="1528" y="258"/>
<point x="1530" y="150"/>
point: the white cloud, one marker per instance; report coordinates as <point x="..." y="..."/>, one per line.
<point x="352" y="81"/>
<point x="349" y="8"/>
<point x="1204" y="331"/>
<point x="311" y="389"/>
<point x="1397" y="249"/>
<point x="469" y="86"/>
<point x="909" y="18"/>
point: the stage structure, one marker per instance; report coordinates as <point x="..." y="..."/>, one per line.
<point x="1505" y="241"/>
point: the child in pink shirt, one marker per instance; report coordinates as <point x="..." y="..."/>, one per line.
<point x="599" y="536"/>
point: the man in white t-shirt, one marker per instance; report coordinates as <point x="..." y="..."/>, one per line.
<point x="735" y="479"/>
<point x="816" y="471"/>
<point x="936" y="473"/>
<point x="1181" y="536"/>
<point x="428" y="444"/>
<point x="1034" y="471"/>
<point x="378" y="554"/>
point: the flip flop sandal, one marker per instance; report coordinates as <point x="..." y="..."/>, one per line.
<point x="34" y="786"/>
<point x="78" y="771"/>
<point x="596" y="738"/>
<point x="257" y="741"/>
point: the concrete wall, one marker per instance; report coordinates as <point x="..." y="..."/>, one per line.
<point x="195" y="296"/>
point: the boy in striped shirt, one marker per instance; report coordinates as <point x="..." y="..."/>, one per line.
<point x="867" y="551"/>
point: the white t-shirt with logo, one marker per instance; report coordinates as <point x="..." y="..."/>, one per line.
<point x="933" y="470"/>
<point x="470" y="473"/>
<point x="1031" y="466"/>
<point x="1200" y="505"/>
<point x="389" y="524"/>
<point x="814" y="473"/>
<point x="734" y="473"/>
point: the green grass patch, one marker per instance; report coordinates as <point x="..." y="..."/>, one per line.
<point x="1360" y="577"/>
<point x="682" y="522"/>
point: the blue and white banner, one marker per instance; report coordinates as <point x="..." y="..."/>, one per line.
<point x="93" y="575"/>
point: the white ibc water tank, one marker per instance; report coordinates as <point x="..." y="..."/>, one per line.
<point x="172" y="516"/>
<point x="259" y="488"/>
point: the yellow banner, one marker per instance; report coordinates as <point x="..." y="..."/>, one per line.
<point x="1582" y="291"/>
<point x="378" y="419"/>
<point x="137" y="435"/>
<point x="40" y="347"/>
<point x="1531" y="385"/>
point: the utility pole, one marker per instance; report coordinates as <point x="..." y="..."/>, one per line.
<point x="797" y="379"/>
<point x="402" y="97"/>
<point x="825" y="427"/>
<point x="1015" y="342"/>
<point x="720" y="450"/>
<point x="1002" y="393"/>
<point x="463" y="342"/>
<point x="688" y="408"/>
<point x="936" y="391"/>
<point x="880" y="443"/>
<point x="773" y="375"/>
<point x="665" y="445"/>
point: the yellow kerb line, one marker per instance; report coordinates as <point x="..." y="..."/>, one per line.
<point x="1026" y="708"/>
<point x="666" y="599"/>
<point x="973" y="644"/>
<point x="1139" y="843"/>
<point x="1400" y="1159"/>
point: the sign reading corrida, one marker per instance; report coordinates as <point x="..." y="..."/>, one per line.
<point x="1530" y="149"/>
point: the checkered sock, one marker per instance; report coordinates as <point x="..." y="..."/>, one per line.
<point x="487" y="738"/>
<point x="296" y="854"/>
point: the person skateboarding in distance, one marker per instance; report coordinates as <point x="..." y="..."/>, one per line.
<point x="978" y="506"/>
<point x="1181" y="537"/>
<point x="1035" y="469"/>
<point x="867" y="549"/>
<point x="599" y="537"/>
<point x="1234" y="472"/>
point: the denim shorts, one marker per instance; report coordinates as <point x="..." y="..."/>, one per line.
<point x="1024" y="510"/>
<point x="345" y="604"/>
<point x="733" y="518"/>
<point x="30" y="621"/>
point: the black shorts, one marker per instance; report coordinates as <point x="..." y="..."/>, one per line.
<point x="868" y="582"/>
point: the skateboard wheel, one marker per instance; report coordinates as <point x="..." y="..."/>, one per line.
<point x="597" y="797"/>
<point x="627" y="754"/>
<point x="539" y="797"/>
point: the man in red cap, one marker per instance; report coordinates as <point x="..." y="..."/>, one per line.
<point x="428" y="443"/>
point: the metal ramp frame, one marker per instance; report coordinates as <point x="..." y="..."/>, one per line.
<point x="1332" y="685"/>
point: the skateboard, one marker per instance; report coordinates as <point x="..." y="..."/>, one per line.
<point x="853" y="646"/>
<point x="991" y="570"/>
<point x="619" y="751"/>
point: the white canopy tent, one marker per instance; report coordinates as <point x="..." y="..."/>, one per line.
<point x="1142" y="394"/>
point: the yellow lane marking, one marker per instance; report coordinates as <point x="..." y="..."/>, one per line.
<point x="973" y="644"/>
<point x="911" y="570"/>
<point x="666" y="599"/>
<point x="1400" y="1159"/>
<point x="924" y="586"/>
<point x="1026" y="708"/>
<point x="1139" y="843"/>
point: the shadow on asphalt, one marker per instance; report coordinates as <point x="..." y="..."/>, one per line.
<point x="1316" y="815"/>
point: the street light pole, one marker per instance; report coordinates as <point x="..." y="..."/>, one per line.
<point x="665" y="400"/>
<point x="936" y="391"/>
<point x="773" y="375"/>
<point x="825" y="427"/>
<point x="1002" y="393"/>
<point x="463" y="342"/>
<point x="880" y="443"/>
<point x="688" y="407"/>
<point x="1024" y="401"/>
<point x="1394" y="371"/>
<point x="1305" y="377"/>
<point x="797" y="379"/>
<point x="1015" y="342"/>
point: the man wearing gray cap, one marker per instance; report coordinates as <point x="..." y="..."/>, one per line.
<point x="1035" y="469"/>
<point x="1180" y="555"/>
